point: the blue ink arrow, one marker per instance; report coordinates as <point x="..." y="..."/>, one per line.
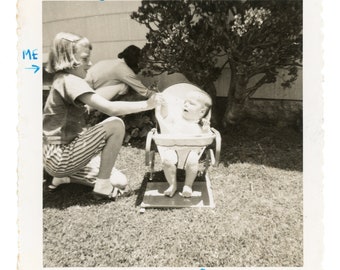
<point x="35" y="67"/>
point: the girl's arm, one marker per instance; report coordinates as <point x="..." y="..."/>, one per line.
<point x="108" y="92"/>
<point x="116" y="108"/>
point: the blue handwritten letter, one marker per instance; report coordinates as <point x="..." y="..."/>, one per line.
<point x="31" y="54"/>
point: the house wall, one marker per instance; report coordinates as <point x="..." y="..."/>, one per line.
<point x="106" y="24"/>
<point x="266" y="91"/>
<point x="110" y="29"/>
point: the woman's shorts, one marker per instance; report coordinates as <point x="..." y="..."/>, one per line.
<point x="79" y="159"/>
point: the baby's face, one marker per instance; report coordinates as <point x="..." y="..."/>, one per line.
<point x="193" y="109"/>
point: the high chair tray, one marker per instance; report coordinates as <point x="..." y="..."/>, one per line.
<point x="152" y="193"/>
<point x="183" y="140"/>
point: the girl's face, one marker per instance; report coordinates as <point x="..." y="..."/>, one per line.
<point x="193" y="108"/>
<point x="83" y="55"/>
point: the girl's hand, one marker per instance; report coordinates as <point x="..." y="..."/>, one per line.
<point x="155" y="100"/>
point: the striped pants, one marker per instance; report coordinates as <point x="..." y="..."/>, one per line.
<point x="80" y="159"/>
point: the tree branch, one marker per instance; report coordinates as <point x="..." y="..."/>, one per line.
<point x="225" y="63"/>
<point x="251" y="90"/>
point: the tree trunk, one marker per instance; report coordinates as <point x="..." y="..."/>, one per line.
<point x="234" y="111"/>
<point x="211" y="90"/>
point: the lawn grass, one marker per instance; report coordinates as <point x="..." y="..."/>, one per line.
<point x="257" y="221"/>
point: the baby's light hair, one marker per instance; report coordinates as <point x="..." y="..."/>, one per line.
<point x="206" y="100"/>
<point x="62" y="56"/>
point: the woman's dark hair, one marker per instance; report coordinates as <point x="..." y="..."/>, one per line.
<point x="131" y="56"/>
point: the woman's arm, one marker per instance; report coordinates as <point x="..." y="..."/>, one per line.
<point x="116" y="108"/>
<point x="127" y="76"/>
<point x="112" y="91"/>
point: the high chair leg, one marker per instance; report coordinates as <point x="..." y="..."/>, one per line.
<point x="152" y="164"/>
<point x="209" y="160"/>
<point x="212" y="157"/>
<point x="218" y="142"/>
<point x="148" y="146"/>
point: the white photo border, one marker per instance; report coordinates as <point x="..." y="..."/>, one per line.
<point x="30" y="138"/>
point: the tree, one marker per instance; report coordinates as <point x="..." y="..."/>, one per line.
<point x="256" y="39"/>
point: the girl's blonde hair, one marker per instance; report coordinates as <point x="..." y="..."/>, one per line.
<point x="61" y="56"/>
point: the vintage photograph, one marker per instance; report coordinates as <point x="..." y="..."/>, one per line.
<point x="172" y="133"/>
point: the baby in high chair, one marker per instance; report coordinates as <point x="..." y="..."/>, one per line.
<point x="191" y="121"/>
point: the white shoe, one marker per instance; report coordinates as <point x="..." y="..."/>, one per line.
<point x="118" y="179"/>
<point x="57" y="181"/>
<point x="103" y="189"/>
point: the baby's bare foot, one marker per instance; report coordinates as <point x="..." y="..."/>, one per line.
<point x="187" y="192"/>
<point x="170" y="192"/>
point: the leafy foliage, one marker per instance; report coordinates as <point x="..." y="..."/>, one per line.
<point x="267" y="37"/>
<point x="179" y="40"/>
<point x="199" y="38"/>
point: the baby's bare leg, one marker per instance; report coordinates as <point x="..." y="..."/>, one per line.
<point x="170" y="174"/>
<point x="169" y="167"/>
<point x="191" y="169"/>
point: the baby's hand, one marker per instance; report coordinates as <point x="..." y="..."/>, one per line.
<point x="88" y="109"/>
<point x="205" y="125"/>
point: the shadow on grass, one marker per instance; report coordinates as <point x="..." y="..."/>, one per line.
<point x="76" y="194"/>
<point x="249" y="142"/>
<point x="257" y="143"/>
<point x="68" y="195"/>
<point x="264" y="144"/>
<point x="71" y="195"/>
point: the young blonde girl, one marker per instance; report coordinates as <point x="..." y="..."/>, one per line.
<point x="70" y="149"/>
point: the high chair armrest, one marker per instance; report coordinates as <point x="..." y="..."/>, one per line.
<point x="218" y="146"/>
<point x="148" y="145"/>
